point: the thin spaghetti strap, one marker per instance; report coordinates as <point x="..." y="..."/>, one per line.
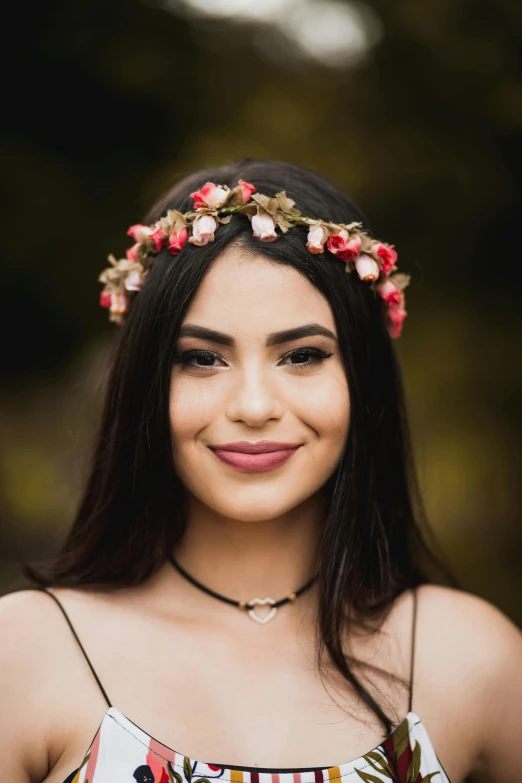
<point x="43" y="589"/>
<point x="413" y="629"/>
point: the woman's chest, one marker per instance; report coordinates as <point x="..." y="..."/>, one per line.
<point x="121" y="749"/>
<point x="254" y="697"/>
<point x="258" y="709"/>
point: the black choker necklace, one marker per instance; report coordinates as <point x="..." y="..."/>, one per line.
<point x="250" y="605"/>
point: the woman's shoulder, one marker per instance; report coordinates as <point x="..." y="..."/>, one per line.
<point x="27" y="630"/>
<point x="33" y="628"/>
<point x="35" y="642"/>
<point x="468" y="661"/>
<point x="471" y="650"/>
<point x="41" y="676"/>
<point x="464" y="612"/>
<point x="25" y="617"/>
<point x="467" y="626"/>
<point x="459" y="635"/>
<point x="25" y="613"/>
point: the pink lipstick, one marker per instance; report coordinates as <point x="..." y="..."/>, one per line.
<point x="260" y="456"/>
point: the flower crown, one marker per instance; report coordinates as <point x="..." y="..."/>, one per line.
<point x="214" y="204"/>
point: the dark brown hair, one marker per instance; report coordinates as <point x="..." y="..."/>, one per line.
<point x="130" y="517"/>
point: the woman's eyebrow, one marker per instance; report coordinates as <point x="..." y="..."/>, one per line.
<point x="275" y="338"/>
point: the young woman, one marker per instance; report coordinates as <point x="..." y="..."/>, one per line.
<point x="246" y="593"/>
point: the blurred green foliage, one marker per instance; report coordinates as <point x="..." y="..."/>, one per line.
<point x="109" y="104"/>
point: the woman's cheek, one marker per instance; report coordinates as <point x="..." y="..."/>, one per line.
<point x="325" y="406"/>
<point x="192" y="405"/>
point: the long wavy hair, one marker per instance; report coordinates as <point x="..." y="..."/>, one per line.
<point x="374" y="543"/>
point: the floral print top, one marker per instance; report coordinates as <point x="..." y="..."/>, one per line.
<point x="123" y="753"/>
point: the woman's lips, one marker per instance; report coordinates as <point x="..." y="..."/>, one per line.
<point x="254" y="462"/>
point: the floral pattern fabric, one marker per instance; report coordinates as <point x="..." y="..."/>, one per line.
<point x="123" y="753"/>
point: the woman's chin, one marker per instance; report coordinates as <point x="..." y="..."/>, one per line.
<point x="256" y="504"/>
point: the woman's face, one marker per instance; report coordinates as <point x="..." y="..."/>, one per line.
<point x="253" y="383"/>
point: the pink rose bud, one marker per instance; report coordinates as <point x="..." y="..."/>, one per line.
<point x="264" y="227"/>
<point x="132" y="252"/>
<point x="337" y="241"/>
<point x="159" y="238"/>
<point x="140" y="233"/>
<point x="366" y="267"/>
<point x="395" y="317"/>
<point x="246" y="189"/>
<point x="203" y="230"/>
<point x="390" y="293"/>
<point x="133" y="280"/>
<point x="317" y="236"/>
<point x="105" y="299"/>
<point x="177" y="240"/>
<point x="118" y="303"/>
<point x="210" y="195"/>
<point x="342" y="246"/>
<point x="387" y="254"/>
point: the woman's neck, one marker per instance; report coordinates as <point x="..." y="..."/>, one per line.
<point x="249" y="559"/>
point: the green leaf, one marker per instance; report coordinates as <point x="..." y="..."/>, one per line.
<point x="400" y="738"/>
<point x="350" y="226"/>
<point x="173" y="775"/>
<point x="259" y="198"/>
<point x="414" y="765"/>
<point x="378" y="759"/>
<point x="165" y="224"/>
<point x="249" y="209"/>
<point x="282" y="219"/>
<point x="235" y="197"/>
<point x="400" y="280"/>
<point x="283" y="224"/>
<point x="429" y="776"/>
<point x="375" y="755"/>
<point x="367" y="777"/>
<point x="174" y="215"/>
<point x="287" y="203"/>
<point x="187" y="769"/>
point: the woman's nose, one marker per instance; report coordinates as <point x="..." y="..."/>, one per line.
<point x="255" y="397"/>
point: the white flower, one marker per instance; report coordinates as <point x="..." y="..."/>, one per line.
<point x="366" y="267"/>
<point x="264" y="227"/>
<point x="317" y="236"/>
<point x="203" y="230"/>
<point x="140" y="233"/>
<point x="118" y="303"/>
<point x="210" y="195"/>
<point x="216" y="197"/>
<point x="133" y="281"/>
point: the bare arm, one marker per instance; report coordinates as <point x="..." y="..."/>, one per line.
<point x="50" y="706"/>
<point x="23" y="746"/>
<point x="499" y="644"/>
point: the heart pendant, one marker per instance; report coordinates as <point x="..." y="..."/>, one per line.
<point x="262" y="602"/>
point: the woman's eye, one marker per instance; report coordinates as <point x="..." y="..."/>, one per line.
<point x="299" y="358"/>
<point x="206" y="358"/>
<point x="306" y="357"/>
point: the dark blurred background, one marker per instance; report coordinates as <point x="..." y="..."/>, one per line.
<point x="414" y="108"/>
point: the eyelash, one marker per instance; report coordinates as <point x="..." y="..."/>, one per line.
<point x="317" y="354"/>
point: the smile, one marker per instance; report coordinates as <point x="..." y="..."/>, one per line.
<point x="267" y="460"/>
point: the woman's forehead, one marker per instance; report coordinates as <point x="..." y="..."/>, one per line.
<point x="244" y="287"/>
